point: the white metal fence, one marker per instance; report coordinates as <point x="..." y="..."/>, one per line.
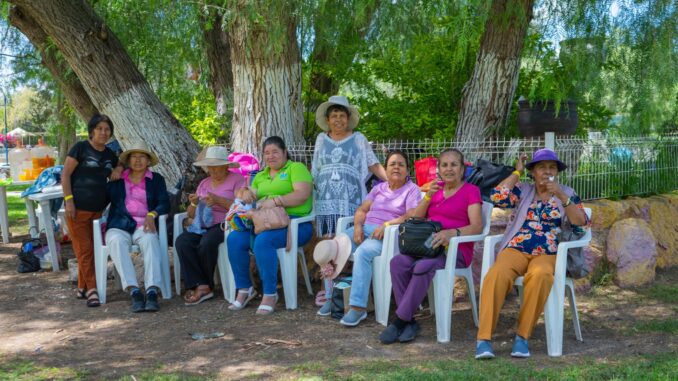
<point x="598" y="168"/>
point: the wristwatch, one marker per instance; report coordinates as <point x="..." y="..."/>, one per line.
<point x="458" y="232"/>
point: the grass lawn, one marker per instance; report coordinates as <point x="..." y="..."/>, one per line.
<point x="18" y="217"/>
<point x="661" y="367"/>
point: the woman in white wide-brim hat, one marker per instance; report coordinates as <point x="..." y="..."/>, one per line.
<point x="197" y="247"/>
<point x="137" y="199"/>
<point x="343" y="160"/>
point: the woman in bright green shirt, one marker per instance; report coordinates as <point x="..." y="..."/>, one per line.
<point x="282" y="182"/>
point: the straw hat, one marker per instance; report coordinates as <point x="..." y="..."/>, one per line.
<point x="321" y="118"/>
<point x="214" y="156"/>
<point x="337" y="250"/>
<point x="139" y="146"/>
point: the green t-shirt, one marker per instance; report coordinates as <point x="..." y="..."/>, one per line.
<point x="281" y="184"/>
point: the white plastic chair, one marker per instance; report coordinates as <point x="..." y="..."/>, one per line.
<point x="554" y="313"/>
<point x="101" y="254"/>
<point x="288" y="263"/>
<point x="381" y="275"/>
<point x="440" y="293"/>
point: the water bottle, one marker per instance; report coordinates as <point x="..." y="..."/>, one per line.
<point x="429" y="242"/>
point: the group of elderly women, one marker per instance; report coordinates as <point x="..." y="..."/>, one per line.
<point x="342" y="162"/>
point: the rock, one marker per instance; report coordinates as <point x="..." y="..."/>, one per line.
<point x="593" y="255"/>
<point x="632" y="249"/>
<point x="636" y="207"/>
<point x="661" y="212"/>
<point x="604" y="213"/>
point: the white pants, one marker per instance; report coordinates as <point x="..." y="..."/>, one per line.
<point x="118" y="243"/>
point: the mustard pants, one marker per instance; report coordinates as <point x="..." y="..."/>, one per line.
<point x="510" y="264"/>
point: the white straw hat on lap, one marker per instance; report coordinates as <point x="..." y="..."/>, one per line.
<point x="321" y="118"/>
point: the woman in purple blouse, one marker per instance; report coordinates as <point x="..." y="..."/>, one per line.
<point x="388" y="203"/>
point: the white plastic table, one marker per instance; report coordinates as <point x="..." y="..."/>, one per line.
<point x="4" y="210"/>
<point x="46" y="218"/>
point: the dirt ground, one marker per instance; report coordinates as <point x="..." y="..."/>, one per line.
<point x="40" y="320"/>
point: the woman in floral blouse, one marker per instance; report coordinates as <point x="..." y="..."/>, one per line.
<point x="541" y="211"/>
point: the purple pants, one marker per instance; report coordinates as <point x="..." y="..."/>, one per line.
<point x="411" y="278"/>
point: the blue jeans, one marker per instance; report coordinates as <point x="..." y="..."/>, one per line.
<point x="265" y="249"/>
<point x="363" y="256"/>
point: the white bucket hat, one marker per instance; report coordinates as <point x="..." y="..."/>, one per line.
<point x="214" y="156"/>
<point x="321" y="118"/>
<point x="337" y="250"/>
<point x="141" y="147"/>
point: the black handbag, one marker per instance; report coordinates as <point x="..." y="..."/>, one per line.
<point x="28" y="262"/>
<point x="338" y="303"/>
<point x="487" y="175"/>
<point x="415" y="237"/>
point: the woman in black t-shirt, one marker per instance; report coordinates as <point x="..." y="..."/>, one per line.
<point x="88" y="167"/>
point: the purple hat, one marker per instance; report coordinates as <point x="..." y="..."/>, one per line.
<point x="545" y="154"/>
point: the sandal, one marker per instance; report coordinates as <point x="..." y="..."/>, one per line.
<point x="265" y="309"/>
<point x="199" y="296"/>
<point x="93" y="298"/>
<point x="80" y="293"/>
<point x="236" y="305"/>
<point x="188" y="295"/>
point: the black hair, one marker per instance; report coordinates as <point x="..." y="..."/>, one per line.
<point x="96" y="119"/>
<point x="461" y="156"/>
<point x="276" y="141"/>
<point x="397" y="152"/>
<point x="336" y="108"/>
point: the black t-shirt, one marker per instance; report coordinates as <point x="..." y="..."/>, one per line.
<point x="88" y="181"/>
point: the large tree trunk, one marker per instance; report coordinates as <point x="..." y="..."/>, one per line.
<point x="68" y="83"/>
<point x="218" y="49"/>
<point x="114" y="84"/>
<point x="266" y="82"/>
<point x="487" y="96"/>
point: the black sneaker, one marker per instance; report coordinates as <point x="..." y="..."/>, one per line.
<point x="138" y="302"/>
<point x="409" y="332"/>
<point x="390" y="334"/>
<point x="152" y="301"/>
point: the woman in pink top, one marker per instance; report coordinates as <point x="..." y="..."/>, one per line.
<point x="137" y="199"/>
<point x="457" y="205"/>
<point x="198" y="247"/>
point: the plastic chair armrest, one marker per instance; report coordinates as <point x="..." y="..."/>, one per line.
<point x="342" y="224"/>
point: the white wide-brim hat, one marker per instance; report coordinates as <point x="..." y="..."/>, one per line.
<point x="214" y="156"/>
<point x="139" y="147"/>
<point x="321" y="118"/>
<point x="337" y="249"/>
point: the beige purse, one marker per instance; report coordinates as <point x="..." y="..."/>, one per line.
<point x="269" y="219"/>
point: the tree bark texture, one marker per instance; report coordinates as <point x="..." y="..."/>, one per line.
<point x="487" y="96"/>
<point x="266" y="83"/>
<point x="114" y="84"/>
<point x="218" y="49"/>
<point x="69" y="83"/>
